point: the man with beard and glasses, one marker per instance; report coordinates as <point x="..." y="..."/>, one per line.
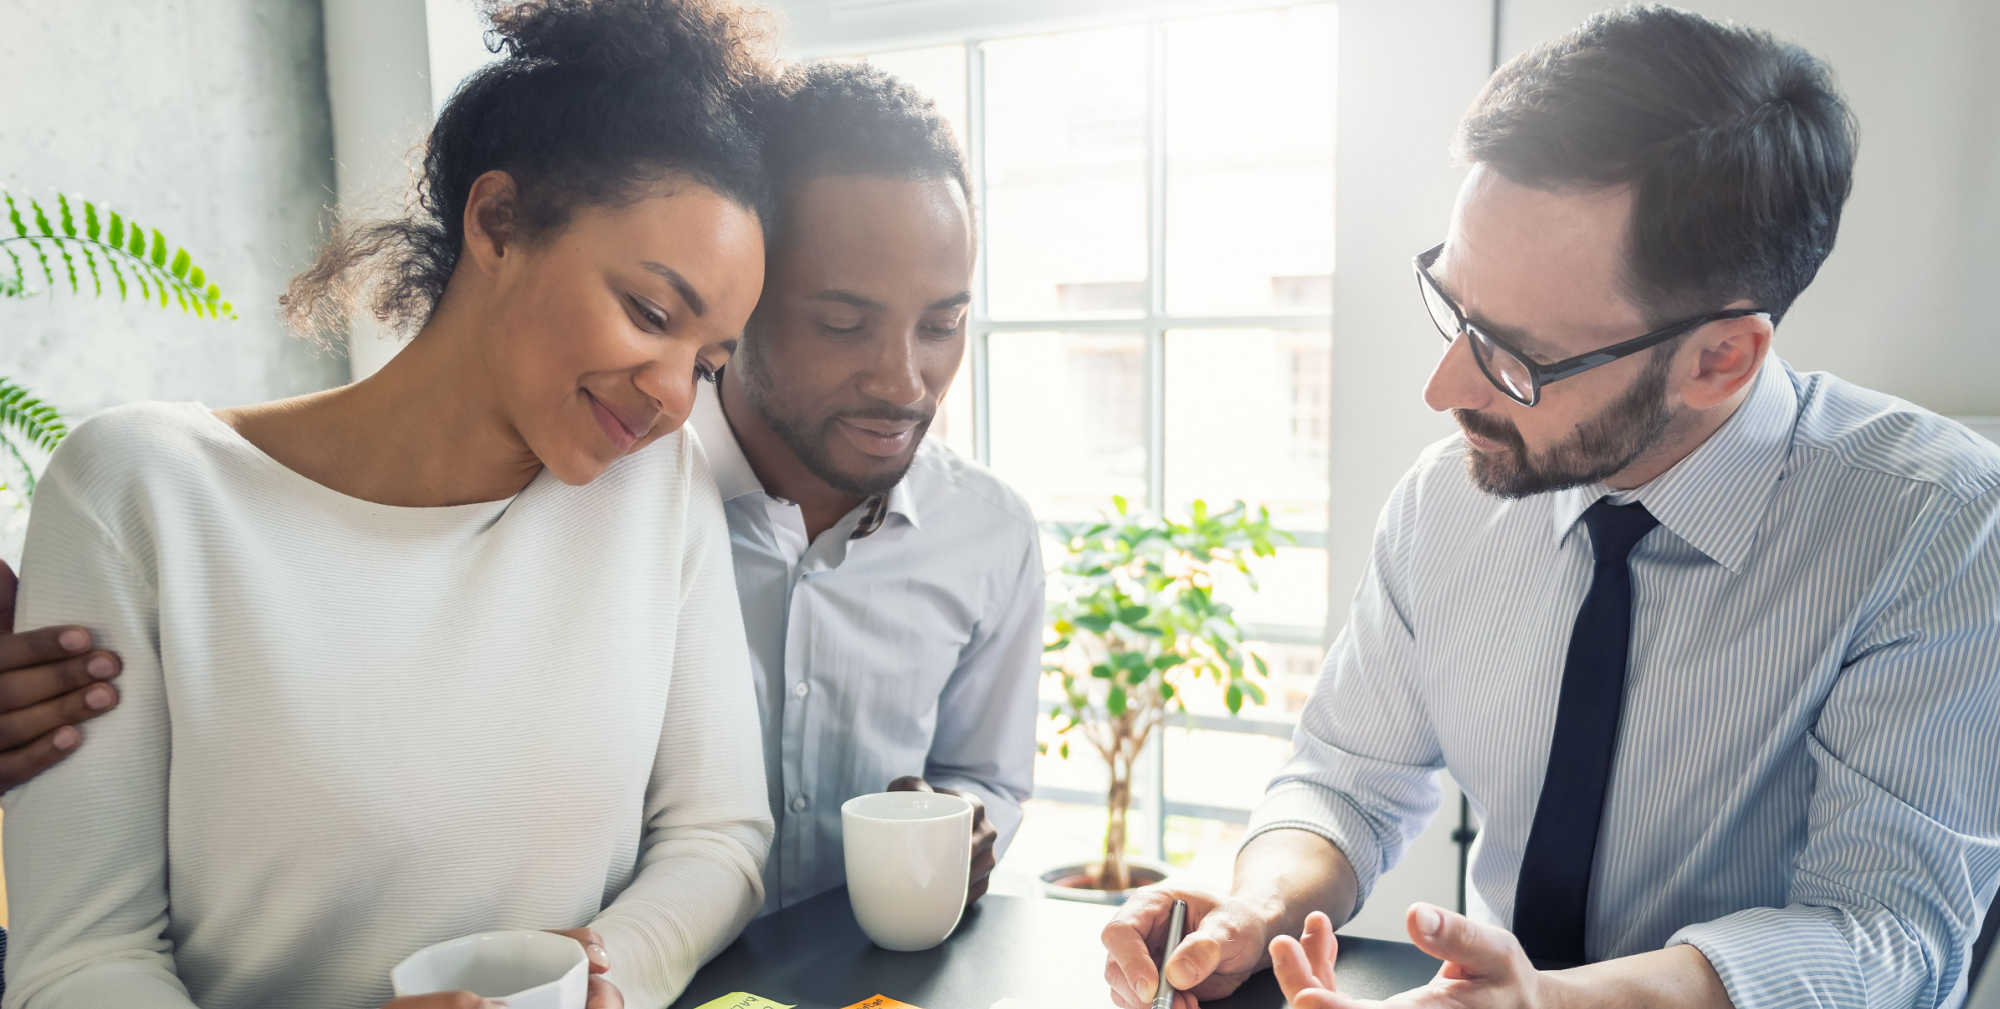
<point x="1710" y="644"/>
<point x="891" y="591"/>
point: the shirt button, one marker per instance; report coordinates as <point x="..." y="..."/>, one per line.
<point x="799" y="804"/>
<point x="802" y="689"/>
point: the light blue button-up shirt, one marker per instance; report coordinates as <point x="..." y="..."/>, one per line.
<point x="1807" y="781"/>
<point x="913" y="648"/>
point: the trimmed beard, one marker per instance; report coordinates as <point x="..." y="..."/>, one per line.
<point x="807" y="437"/>
<point x="1600" y="447"/>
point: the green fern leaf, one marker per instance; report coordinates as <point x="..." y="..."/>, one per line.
<point x="112" y="261"/>
<point x="16" y="285"/>
<point x="165" y="273"/>
<point x="42" y="257"/>
<point x="90" y="261"/>
<point x="39" y="423"/>
<point x="69" y="263"/>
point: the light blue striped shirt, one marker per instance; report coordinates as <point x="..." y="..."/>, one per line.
<point x="913" y="649"/>
<point x="1807" y="780"/>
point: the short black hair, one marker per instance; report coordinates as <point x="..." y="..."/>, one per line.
<point x="833" y="117"/>
<point x="1739" y="150"/>
<point x="589" y="102"/>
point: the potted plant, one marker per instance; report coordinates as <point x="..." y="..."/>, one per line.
<point x="73" y="243"/>
<point x="1136" y="620"/>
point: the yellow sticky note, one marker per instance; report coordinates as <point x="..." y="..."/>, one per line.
<point x="742" y="1000"/>
<point x="876" y="1002"/>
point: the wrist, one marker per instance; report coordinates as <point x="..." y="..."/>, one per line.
<point x="1559" y="989"/>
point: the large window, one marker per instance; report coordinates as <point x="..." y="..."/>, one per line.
<point x="1153" y="319"/>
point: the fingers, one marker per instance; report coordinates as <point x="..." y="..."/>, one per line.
<point x="593" y="947"/>
<point x="8" y="583"/>
<point x="603" y="995"/>
<point x="1321" y="947"/>
<point x="1221" y="949"/>
<point x="1292" y="968"/>
<point x="21" y="686"/>
<point x="909" y="783"/>
<point x="445" y="1000"/>
<point x="40" y="646"/>
<point x="1469" y="949"/>
<point x="21" y="763"/>
<point x="37" y="720"/>
<point x="1128" y="938"/>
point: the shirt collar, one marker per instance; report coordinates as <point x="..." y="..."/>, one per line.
<point x="1714" y="499"/>
<point x="734" y="477"/>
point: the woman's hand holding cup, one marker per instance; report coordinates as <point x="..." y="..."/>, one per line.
<point x="505" y="961"/>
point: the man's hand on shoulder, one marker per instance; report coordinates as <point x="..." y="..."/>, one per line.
<point x="51" y="681"/>
<point x="984" y="836"/>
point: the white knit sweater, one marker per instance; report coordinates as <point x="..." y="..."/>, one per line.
<point x="351" y="730"/>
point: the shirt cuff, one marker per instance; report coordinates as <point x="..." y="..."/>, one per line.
<point x="1776" y="958"/>
<point x="1299" y="806"/>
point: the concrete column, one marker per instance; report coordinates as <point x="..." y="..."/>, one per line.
<point x="379" y="86"/>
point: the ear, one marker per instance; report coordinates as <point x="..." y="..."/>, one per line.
<point x="1726" y="357"/>
<point x="492" y="216"/>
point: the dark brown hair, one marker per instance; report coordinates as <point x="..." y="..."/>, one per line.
<point x="590" y="102"/>
<point x="1739" y="151"/>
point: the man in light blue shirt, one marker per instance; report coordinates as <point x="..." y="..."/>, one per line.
<point x="892" y="591"/>
<point x="1712" y="646"/>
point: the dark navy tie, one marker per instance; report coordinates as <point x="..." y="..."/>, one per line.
<point x="1554" y="888"/>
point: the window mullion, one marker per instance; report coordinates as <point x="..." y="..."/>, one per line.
<point x="1156" y="356"/>
<point x="977" y="351"/>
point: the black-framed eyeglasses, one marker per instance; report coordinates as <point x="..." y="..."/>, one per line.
<point x="1513" y="372"/>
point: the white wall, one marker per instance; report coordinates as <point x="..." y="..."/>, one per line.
<point x="1903" y="304"/>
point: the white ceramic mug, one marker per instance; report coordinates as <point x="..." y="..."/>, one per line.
<point x="909" y="859"/>
<point x="527" y="970"/>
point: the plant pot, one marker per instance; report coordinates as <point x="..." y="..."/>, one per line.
<point x="1070" y="881"/>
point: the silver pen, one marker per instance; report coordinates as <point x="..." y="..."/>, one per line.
<point x="1175" y="924"/>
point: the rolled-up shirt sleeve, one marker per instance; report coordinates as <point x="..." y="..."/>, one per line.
<point x="1364" y="767"/>
<point x="1903" y="850"/>
<point x="985" y="740"/>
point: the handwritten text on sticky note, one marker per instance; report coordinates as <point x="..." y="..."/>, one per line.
<point x="743" y="1000"/>
<point x="877" y="1002"/>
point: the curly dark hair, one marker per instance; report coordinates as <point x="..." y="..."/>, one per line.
<point x="590" y="102"/>
<point x="1739" y="150"/>
<point x="831" y="117"/>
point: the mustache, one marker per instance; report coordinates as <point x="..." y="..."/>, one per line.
<point x="1490" y="428"/>
<point x="888" y="413"/>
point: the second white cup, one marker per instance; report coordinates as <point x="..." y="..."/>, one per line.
<point x="527" y="970"/>
<point x="908" y="863"/>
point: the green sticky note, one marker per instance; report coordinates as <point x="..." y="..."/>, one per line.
<point x="742" y="1000"/>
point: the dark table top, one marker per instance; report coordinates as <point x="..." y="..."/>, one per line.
<point x="1044" y="952"/>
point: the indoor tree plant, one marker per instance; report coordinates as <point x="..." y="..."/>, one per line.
<point x="74" y="243"/>
<point x="1134" y="622"/>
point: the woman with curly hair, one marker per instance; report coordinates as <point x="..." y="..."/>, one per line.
<point x="455" y="647"/>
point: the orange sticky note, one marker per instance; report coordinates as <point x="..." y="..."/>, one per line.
<point x="880" y="1002"/>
